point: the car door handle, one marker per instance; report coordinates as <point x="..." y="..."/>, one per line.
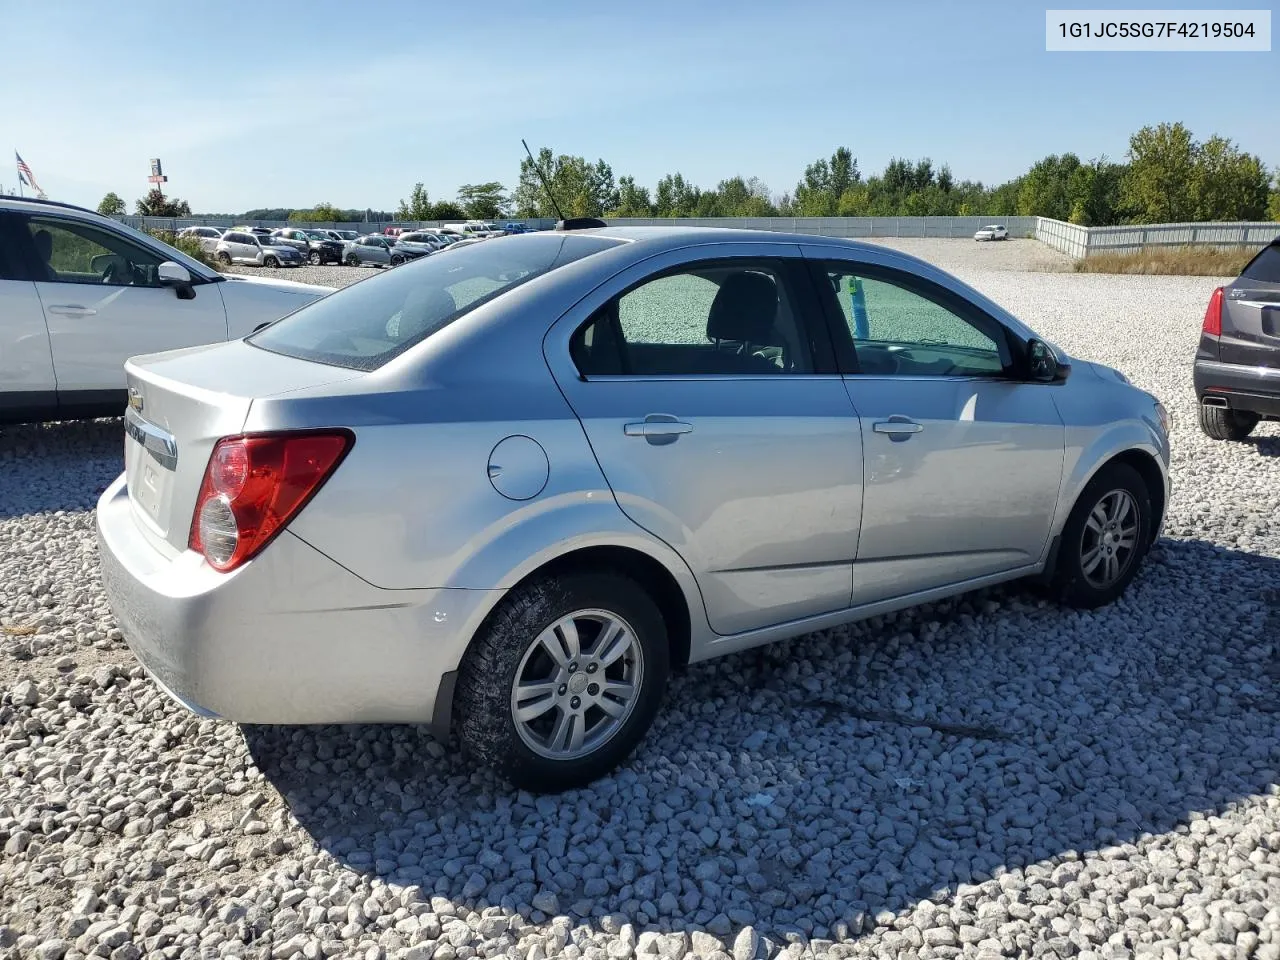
<point x="71" y="310"/>
<point x="897" y="428"/>
<point x="658" y="428"/>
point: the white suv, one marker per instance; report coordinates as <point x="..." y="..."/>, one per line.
<point x="81" y="293"/>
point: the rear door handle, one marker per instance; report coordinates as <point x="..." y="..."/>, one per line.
<point x="897" y="428"/>
<point x="71" y="310"/>
<point x="658" y="428"/>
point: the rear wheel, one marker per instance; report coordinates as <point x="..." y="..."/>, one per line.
<point x="1221" y="423"/>
<point x="564" y="680"/>
<point x="1105" y="538"/>
<point x="270" y="262"/>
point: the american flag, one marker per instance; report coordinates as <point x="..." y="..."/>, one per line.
<point x="25" y="175"/>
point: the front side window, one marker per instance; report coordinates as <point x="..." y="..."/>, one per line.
<point x="71" y="252"/>
<point x="727" y="318"/>
<point x="366" y="324"/>
<point x="902" y="331"/>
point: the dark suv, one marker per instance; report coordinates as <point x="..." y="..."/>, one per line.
<point x="1237" y="371"/>
<point x="312" y="244"/>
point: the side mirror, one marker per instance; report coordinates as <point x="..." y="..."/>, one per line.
<point x="175" y="275"/>
<point x="1043" y="365"/>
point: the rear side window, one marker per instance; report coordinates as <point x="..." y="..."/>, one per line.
<point x="365" y="325"/>
<point x="1265" y="267"/>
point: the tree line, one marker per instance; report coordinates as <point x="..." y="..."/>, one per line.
<point x="1167" y="176"/>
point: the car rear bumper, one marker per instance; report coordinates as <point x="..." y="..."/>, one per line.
<point x="291" y="637"/>
<point x="1254" y="389"/>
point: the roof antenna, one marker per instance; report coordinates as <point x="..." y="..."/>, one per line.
<point x="546" y="186"/>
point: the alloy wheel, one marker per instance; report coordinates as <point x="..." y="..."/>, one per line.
<point x="1109" y="540"/>
<point x="577" y="684"/>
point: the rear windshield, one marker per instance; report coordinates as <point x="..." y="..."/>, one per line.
<point x="366" y="324"/>
<point x="1265" y="267"/>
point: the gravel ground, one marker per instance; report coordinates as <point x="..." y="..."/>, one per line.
<point x="991" y="776"/>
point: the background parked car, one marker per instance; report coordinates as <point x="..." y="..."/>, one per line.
<point x="1237" y="367"/>
<point x="379" y="250"/>
<point x="342" y="236"/>
<point x="238" y="246"/>
<point x="993" y="231"/>
<point x="420" y="239"/>
<point x="312" y="244"/>
<point x="208" y="237"/>
<point x="81" y="293"/>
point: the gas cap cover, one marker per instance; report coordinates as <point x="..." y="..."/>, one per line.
<point x="518" y="468"/>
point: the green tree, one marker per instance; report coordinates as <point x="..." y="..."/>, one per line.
<point x="483" y="201"/>
<point x="824" y="183"/>
<point x="633" y="201"/>
<point x="1226" y="183"/>
<point x="446" y="210"/>
<point x="1273" y="206"/>
<point x="320" y="213"/>
<point x="417" y="207"/>
<point x="676" y="197"/>
<point x="1046" y="188"/>
<point x="1157" y="186"/>
<point x="112" y="206"/>
<point x="156" y="204"/>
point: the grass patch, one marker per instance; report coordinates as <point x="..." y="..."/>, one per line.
<point x="1188" y="261"/>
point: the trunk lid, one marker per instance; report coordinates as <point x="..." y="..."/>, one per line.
<point x="1251" y="313"/>
<point x="180" y="404"/>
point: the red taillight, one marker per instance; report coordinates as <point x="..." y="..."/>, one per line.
<point x="252" y="487"/>
<point x="1213" y="315"/>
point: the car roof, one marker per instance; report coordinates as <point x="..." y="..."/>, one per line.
<point x="663" y="237"/>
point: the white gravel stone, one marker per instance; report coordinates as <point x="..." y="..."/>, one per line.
<point x="989" y="776"/>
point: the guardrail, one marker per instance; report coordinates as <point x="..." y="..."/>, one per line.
<point x="1070" y="238"/>
<point x="1077" y="241"/>
<point x="854" y="227"/>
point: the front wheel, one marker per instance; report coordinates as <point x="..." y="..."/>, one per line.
<point x="314" y="258"/>
<point x="564" y="680"/>
<point x="224" y="258"/>
<point x="397" y="260"/>
<point x="270" y="262"/>
<point x="1105" y="538"/>
<point x="1221" y="423"/>
<point x="353" y="260"/>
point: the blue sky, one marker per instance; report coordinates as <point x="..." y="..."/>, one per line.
<point x="289" y="104"/>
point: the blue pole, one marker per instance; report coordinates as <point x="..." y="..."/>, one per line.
<point x="858" y="304"/>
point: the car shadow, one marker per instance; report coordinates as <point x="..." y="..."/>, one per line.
<point x="58" y="466"/>
<point x="1266" y="446"/>
<point x="808" y="786"/>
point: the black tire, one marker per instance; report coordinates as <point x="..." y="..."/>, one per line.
<point x="396" y="260"/>
<point x="1221" y="423"/>
<point x="353" y="260"/>
<point x="270" y="262"/>
<point x="224" y="258"/>
<point x="314" y="258"/>
<point x="489" y="668"/>
<point x="1070" y="584"/>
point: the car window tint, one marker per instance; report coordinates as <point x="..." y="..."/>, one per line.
<point x="11" y="265"/>
<point x="730" y="318"/>
<point x="72" y="252"/>
<point x="1265" y="267"/>
<point x="366" y="324"/>
<point x="897" y="331"/>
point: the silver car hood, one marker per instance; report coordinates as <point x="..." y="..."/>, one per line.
<point x="284" y="286"/>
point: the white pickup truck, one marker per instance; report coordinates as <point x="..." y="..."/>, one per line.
<point x="81" y="293"/>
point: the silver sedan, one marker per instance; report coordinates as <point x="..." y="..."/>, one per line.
<point x="506" y="492"/>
